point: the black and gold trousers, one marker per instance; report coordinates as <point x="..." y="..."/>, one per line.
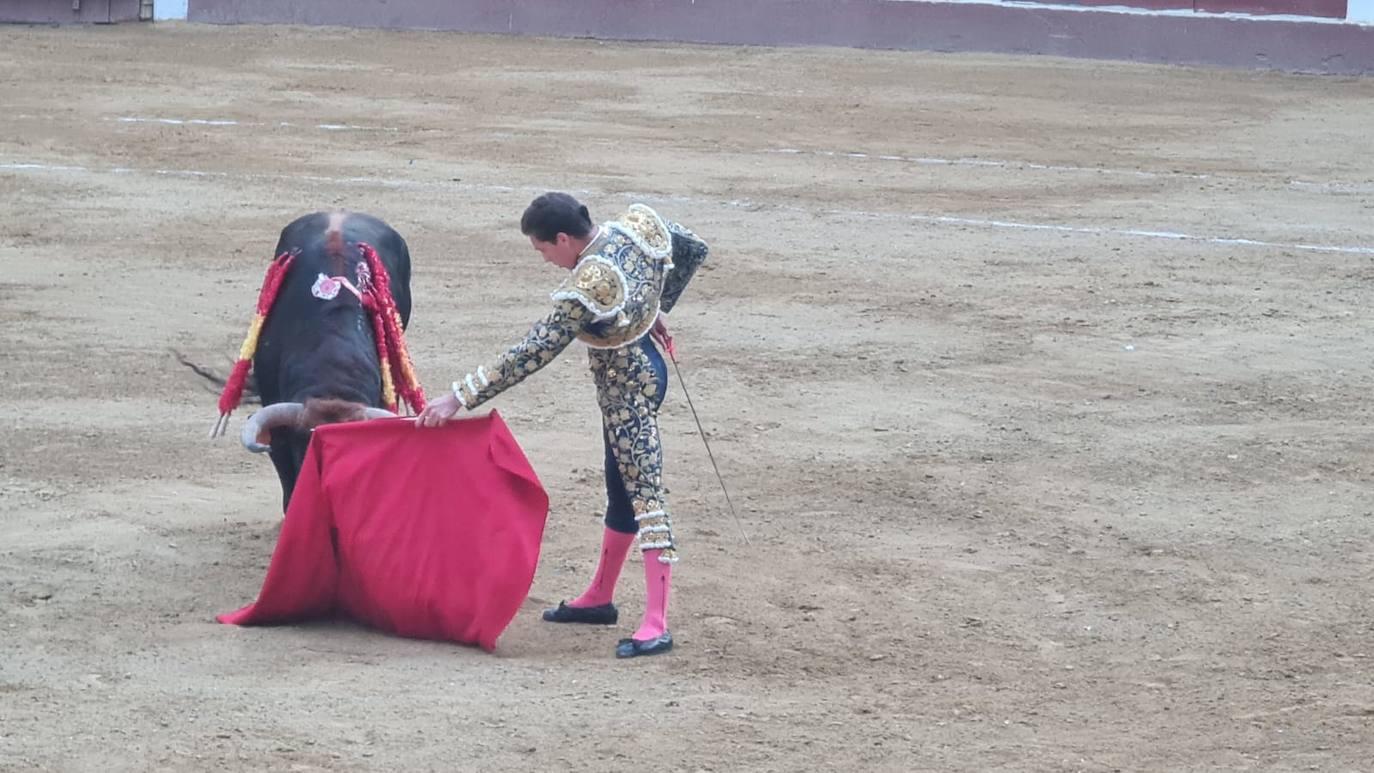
<point x="631" y="381"/>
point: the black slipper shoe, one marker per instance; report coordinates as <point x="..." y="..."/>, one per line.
<point x="629" y="648"/>
<point x="606" y="614"/>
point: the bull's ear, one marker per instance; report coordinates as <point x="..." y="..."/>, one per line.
<point x="265" y="437"/>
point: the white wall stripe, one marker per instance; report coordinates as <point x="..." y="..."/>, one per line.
<point x="1187" y="13"/>
<point x="1146" y="233"/>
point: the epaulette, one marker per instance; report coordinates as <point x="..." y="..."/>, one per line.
<point x="597" y="284"/>
<point x="647" y="230"/>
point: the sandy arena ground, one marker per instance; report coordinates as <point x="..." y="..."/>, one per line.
<point x="1043" y="471"/>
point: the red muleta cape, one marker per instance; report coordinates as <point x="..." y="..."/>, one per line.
<point x="425" y="533"/>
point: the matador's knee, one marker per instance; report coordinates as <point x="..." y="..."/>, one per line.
<point x="656" y="531"/>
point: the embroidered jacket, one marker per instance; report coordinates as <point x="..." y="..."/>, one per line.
<point x="634" y="267"/>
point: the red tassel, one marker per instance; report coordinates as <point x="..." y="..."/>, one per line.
<point x="391" y="344"/>
<point x="232" y="394"/>
<point x="276" y="274"/>
<point x="233" y="386"/>
<point x="382" y="349"/>
<point x="402" y="371"/>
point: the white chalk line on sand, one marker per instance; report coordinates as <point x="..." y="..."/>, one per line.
<point x="1137" y="232"/>
<point x="222" y="122"/>
<point x="1329" y="186"/>
<point x="333" y="127"/>
<point x="1310" y="186"/>
<point x="974" y="222"/>
<point x="985" y="162"/>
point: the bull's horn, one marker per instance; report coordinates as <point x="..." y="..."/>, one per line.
<point x="378" y="413"/>
<point x="257" y="431"/>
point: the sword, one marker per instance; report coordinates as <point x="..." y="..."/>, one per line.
<point x="660" y="332"/>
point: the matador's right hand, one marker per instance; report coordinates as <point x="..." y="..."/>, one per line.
<point x="663" y="337"/>
<point x="439" y="411"/>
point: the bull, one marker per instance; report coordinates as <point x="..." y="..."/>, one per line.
<point x="316" y="360"/>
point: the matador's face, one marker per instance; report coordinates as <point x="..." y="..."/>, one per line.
<point x="562" y="251"/>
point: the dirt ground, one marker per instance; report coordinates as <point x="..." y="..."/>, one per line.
<point x="1042" y="387"/>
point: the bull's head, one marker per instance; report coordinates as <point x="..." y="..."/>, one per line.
<point x="257" y="431"/>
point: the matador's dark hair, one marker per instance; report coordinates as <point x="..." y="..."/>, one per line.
<point x="554" y="213"/>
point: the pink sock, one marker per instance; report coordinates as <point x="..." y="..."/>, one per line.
<point x="658" y="577"/>
<point x="614" y="547"/>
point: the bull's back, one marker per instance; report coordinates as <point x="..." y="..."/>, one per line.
<point x="308" y="339"/>
<point x="327" y="243"/>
